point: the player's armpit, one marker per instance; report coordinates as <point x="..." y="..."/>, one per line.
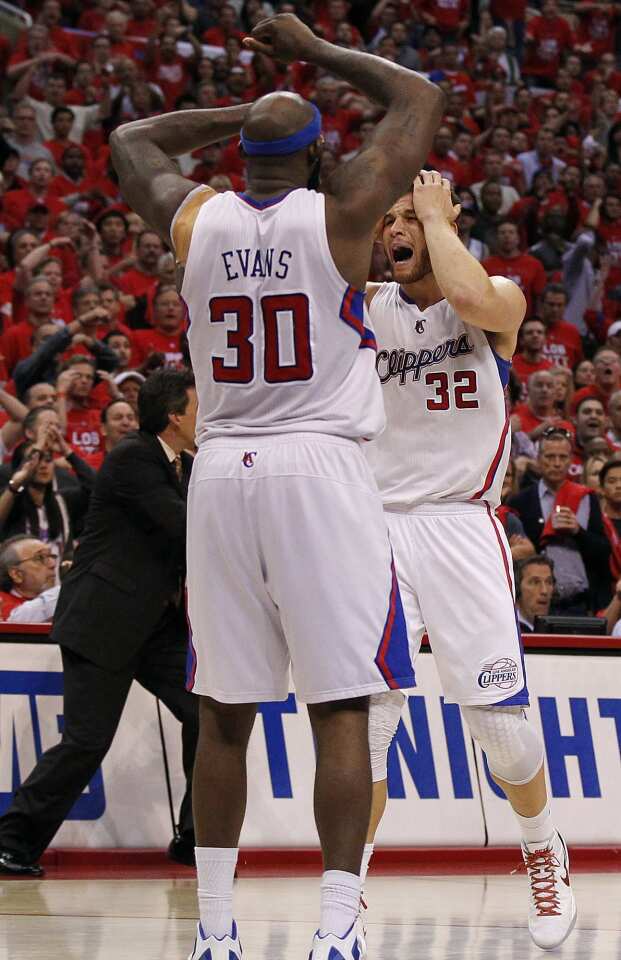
<point x="371" y="290"/>
<point x="184" y="220"/>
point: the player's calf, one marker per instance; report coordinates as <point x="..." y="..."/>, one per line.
<point x="514" y="753"/>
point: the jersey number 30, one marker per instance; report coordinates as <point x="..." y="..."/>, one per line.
<point x="464" y="385"/>
<point x="282" y="314"/>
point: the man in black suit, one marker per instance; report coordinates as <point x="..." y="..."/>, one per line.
<point x="120" y="617"/>
<point x="564" y="520"/>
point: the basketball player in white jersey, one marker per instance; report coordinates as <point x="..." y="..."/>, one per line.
<point x="289" y="560"/>
<point x="446" y="333"/>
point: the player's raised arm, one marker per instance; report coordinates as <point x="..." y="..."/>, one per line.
<point x="365" y="187"/>
<point x="494" y="304"/>
<point x="142" y="153"/>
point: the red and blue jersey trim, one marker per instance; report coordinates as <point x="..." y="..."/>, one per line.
<point x="491" y="473"/>
<point x="187" y="311"/>
<point x="352" y="313"/>
<point x="191" y="661"/>
<point x="393" y="658"/>
<point x="521" y="698"/>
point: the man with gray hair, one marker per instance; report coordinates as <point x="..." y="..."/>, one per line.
<point x="26" y="140"/>
<point x="497" y="53"/>
<point x="28" y="587"/>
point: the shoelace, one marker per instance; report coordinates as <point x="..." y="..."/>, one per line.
<point x="540" y="866"/>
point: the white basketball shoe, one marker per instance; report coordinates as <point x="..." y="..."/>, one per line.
<point x="361" y="926"/>
<point x="214" y="948"/>
<point x="351" y="947"/>
<point x="552" y="909"/>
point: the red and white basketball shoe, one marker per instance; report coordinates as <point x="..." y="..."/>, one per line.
<point x="552" y="909"/>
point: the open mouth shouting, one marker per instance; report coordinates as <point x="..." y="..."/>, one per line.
<point x="401" y="252"/>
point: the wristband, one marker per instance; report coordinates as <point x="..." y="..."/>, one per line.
<point x="14" y="490"/>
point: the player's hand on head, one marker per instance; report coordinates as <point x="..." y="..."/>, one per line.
<point x="432" y="197"/>
<point x="283" y="37"/>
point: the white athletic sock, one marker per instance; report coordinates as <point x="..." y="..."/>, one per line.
<point x="216" y="870"/>
<point x="366" y="859"/>
<point x="536" y="831"/>
<point x="340" y="902"/>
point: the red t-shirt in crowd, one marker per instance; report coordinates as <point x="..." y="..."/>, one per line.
<point x="508" y="9"/>
<point x="524" y="270"/>
<point x="216" y="36"/>
<point x="146" y="342"/>
<point x="17" y="203"/>
<point x="461" y="82"/>
<point x="84" y="429"/>
<point x="6" y="295"/>
<point x="596" y="28"/>
<point x="529" y="421"/>
<point x="563" y="345"/>
<point x="93" y="20"/>
<point x="336" y="127"/>
<point x="613" y="79"/>
<point x="136" y="283"/>
<point x="447" y="13"/>
<point x="58" y="147"/>
<point x="449" y="167"/>
<point x="16" y="343"/>
<point x="62" y="186"/>
<point x="8" y="603"/>
<point x="142" y="28"/>
<point x="171" y="78"/>
<point x="550" y="40"/>
<point x="523" y="368"/>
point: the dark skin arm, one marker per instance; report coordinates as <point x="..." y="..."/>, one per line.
<point x="361" y="191"/>
<point x="142" y="154"/>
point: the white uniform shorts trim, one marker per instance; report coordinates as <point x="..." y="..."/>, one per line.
<point x="290" y="564"/>
<point x="455" y="573"/>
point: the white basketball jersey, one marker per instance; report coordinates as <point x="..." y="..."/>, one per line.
<point x="447" y="435"/>
<point x="279" y="341"/>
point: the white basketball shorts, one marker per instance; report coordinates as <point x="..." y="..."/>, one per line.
<point x="456" y="578"/>
<point x="290" y="564"/>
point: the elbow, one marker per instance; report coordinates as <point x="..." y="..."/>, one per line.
<point x="120" y="138"/>
<point x="421" y="96"/>
<point x="432" y="99"/>
<point x="437" y="97"/>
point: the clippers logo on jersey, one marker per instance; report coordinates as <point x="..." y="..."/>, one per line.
<point x="420" y="326"/>
<point x="248" y="458"/>
<point x="400" y="363"/>
<point x="502" y="673"/>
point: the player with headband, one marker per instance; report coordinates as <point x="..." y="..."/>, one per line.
<point x="289" y="560"/>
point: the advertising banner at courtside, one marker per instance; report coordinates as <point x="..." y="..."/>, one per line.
<point x="441" y="794"/>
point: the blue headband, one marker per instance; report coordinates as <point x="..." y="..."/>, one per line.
<point x="297" y="141"/>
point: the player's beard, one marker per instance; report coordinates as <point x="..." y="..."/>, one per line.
<point x="315" y="174"/>
<point x="420" y="268"/>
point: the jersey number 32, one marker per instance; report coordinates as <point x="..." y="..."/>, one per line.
<point x="283" y="317"/>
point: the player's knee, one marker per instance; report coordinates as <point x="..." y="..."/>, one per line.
<point x="513" y="747"/>
<point x="384" y="714"/>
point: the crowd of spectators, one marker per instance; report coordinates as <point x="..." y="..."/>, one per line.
<point x="530" y="140"/>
